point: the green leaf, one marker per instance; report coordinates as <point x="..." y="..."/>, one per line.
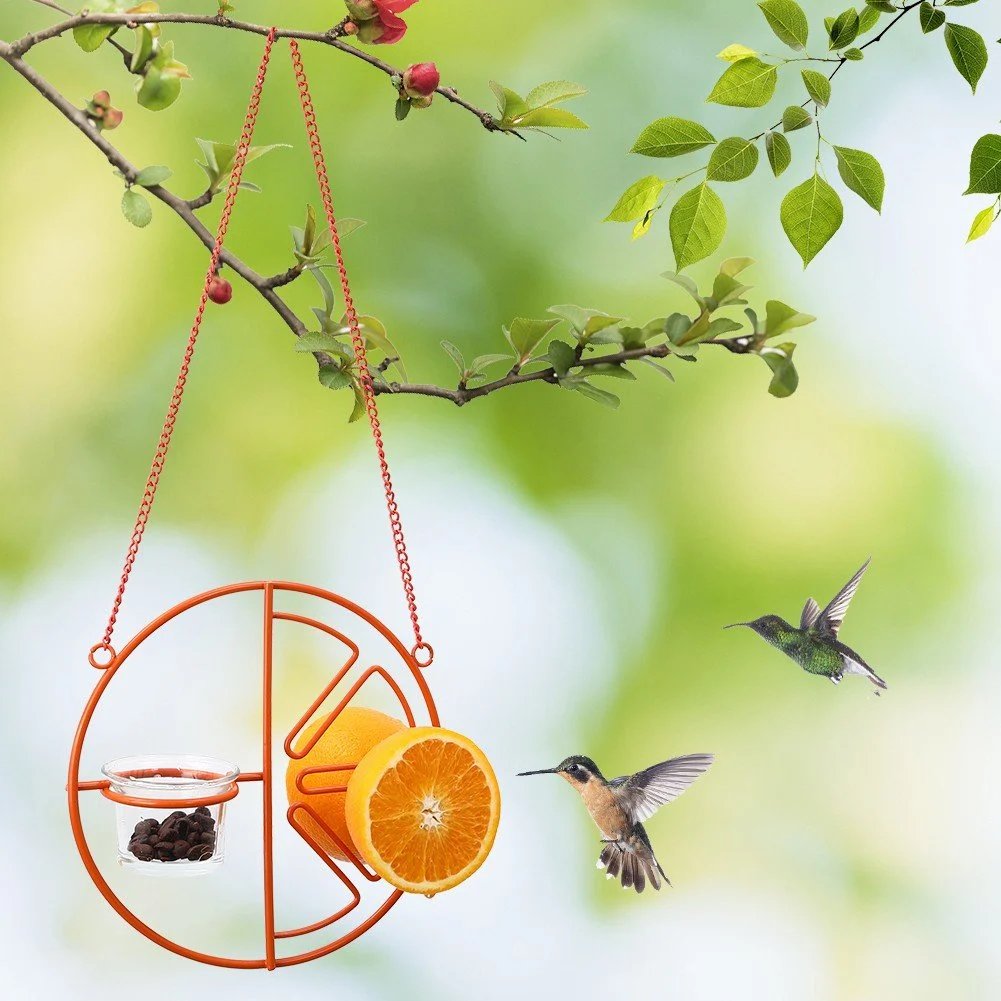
<point x="585" y="389"/>
<point x="586" y="323"/>
<point x="333" y="377"/>
<point x="930" y="18"/>
<point x="779" y="318"/>
<point x="456" y="355"/>
<point x="561" y="357"/>
<point x="985" y="166"/>
<point x="779" y="152"/>
<point x="882" y="5"/>
<point x="666" y="372"/>
<point x="526" y="335"/>
<point x="324" y="342"/>
<point x="402" y="108"/>
<point x="687" y="284"/>
<point x="158" y="91"/>
<point x="149" y="177"/>
<point x="509" y="103"/>
<point x="697" y="225"/>
<point x="732" y="160"/>
<point x="868" y="18"/>
<point x="794" y="117"/>
<point x="855" y="55"/>
<point x="672" y="137"/>
<point x="958" y="3"/>
<point x="811" y="214"/>
<point x="735" y="52"/>
<point x="787" y="20"/>
<point x="982" y="222"/>
<point x="968" y="52"/>
<point x="863" y="174"/>
<point x="749" y="83"/>
<point x="784" y="376"/>
<point x="485" y="361"/>
<point x="136" y="208"/>
<point x="637" y="200"/>
<point x="676" y="326"/>
<point x="91" y="36"/>
<point x="817" y="86"/>
<point x="733" y="266"/>
<point x="142" y="50"/>
<point x="549" y="118"/>
<point x="553" y="92"/>
<point x="844" y="30"/>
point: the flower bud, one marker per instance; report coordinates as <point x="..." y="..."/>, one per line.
<point x="422" y="101"/>
<point x="220" y="290"/>
<point x="112" y="119"/>
<point x="421" y="80"/>
<point x="350" y="28"/>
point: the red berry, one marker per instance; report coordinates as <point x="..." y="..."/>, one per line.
<point x="220" y="290"/>
<point x="421" y="79"/>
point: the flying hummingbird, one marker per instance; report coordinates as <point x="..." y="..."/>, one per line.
<point x="619" y="807"/>
<point x="815" y="645"/>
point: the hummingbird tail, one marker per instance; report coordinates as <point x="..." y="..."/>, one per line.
<point x="633" y="868"/>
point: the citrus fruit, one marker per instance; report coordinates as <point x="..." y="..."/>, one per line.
<point x="348" y="739"/>
<point x="422" y="809"/>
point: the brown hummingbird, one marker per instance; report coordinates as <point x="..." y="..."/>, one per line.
<point x="619" y="807"/>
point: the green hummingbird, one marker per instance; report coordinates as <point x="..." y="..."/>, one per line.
<point x="815" y="645"/>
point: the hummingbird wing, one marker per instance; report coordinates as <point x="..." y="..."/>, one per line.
<point x="644" y="793"/>
<point x="811" y="612"/>
<point x="831" y="618"/>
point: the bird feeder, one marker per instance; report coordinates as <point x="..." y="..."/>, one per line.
<point x="171" y="809"/>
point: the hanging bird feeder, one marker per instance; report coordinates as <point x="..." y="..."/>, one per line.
<point x="171" y="810"/>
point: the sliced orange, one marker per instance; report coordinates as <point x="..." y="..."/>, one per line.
<point x="422" y="808"/>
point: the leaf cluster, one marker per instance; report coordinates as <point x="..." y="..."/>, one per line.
<point x="812" y="211"/>
<point x="538" y="108"/>
<point x="151" y="59"/>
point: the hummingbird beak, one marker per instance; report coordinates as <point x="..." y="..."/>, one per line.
<point x="541" y="771"/>
<point x="733" y="625"/>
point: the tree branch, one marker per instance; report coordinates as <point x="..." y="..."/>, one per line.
<point x="331" y="38"/>
<point x="12" y="54"/>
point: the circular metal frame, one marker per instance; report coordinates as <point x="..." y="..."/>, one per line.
<point x="75" y="785"/>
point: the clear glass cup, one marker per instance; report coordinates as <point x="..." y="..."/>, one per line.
<point x="171" y="811"/>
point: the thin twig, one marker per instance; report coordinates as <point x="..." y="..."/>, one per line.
<point x="29" y="41"/>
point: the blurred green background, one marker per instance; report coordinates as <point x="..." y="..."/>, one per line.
<point x="841" y="847"/>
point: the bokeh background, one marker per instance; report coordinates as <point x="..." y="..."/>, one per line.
<point x="574" y="565"/>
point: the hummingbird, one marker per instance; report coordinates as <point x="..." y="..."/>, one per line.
<point x="619" y="806"/>
<point x="815" y="645"/>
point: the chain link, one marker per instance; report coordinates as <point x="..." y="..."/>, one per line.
<point x="421" y="651"/>
<point x="102" y="654"/>
<point x="105" y="648"/>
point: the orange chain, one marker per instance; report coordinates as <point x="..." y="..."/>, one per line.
<point x="421" y="651"/>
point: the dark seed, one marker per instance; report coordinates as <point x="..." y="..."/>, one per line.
<point x="198" y="853"/>
<point x="176" y="815"/>
<point x="181" y="849"/>
<point x="204" y="811"/>
<point x="153" y="840"/>
<point x="142" y="852"/>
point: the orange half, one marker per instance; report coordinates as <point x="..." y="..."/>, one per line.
<point x="422" y="808"/>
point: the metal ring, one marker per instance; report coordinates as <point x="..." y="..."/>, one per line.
<point x="223" y="796"/>
<point x="106" y="648"/>
<point x="423" y="654"/>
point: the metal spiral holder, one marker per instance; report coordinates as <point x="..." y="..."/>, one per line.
<point x="104" y="657"/>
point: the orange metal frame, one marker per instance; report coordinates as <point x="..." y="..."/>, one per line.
<point x="76" y="785"/>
